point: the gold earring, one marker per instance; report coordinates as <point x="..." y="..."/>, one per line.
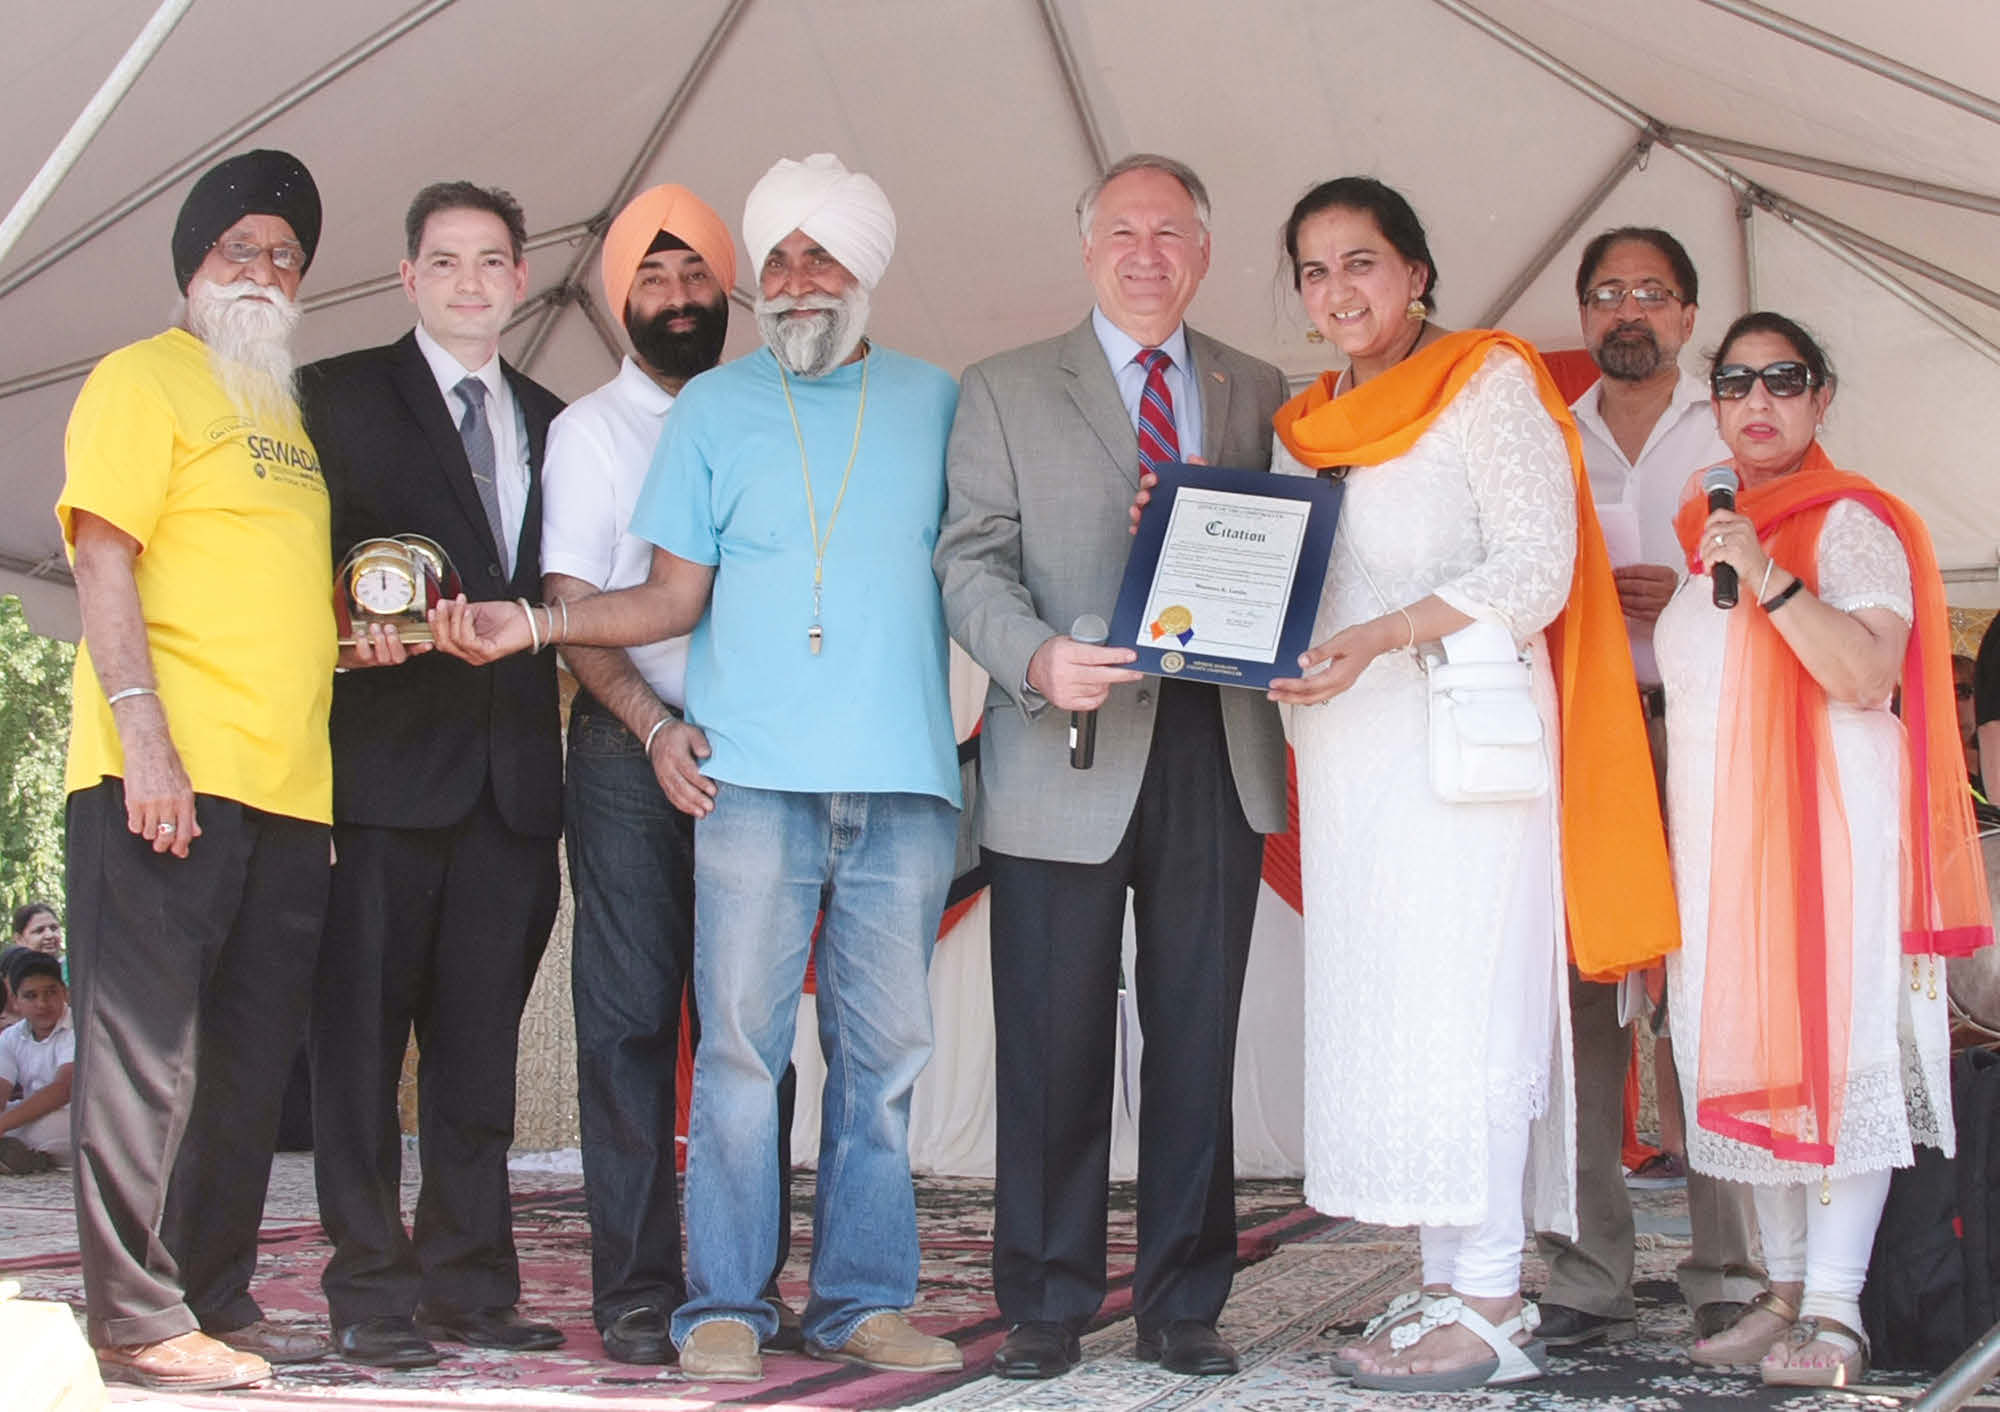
<point x="1313" y="335"/>
<point x="1416" y="311"/>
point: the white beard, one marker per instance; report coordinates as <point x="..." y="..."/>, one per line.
<point x="249" y="344"/>
<point x="814" y="347"/>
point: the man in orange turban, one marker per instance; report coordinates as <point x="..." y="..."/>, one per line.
<point x="633" y="787"/>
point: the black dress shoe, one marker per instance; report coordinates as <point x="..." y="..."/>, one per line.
<point x="1037" y="1350"/>
<point x="1191" y="1347"/>
<point x="386" y="1341"/>
<point x="639" y="1336"/>
<point x="1564" y="1327"/>
<point x="791" y="1334"/>
<point x="1716" y="1315"/>
<point x="489" y="1328"/>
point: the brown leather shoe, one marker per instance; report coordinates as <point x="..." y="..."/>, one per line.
<point x="191" y="1362"/>
<point x="277" y="1343"/>
<point x="887" y="1343"/>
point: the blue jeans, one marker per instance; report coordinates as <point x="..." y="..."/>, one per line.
<point x="631" y="868"/>
<point x="766" y="862"/>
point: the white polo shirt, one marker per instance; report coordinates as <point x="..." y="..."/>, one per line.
<point x="1636" y="501"/>
<point x="599" y="451"/>
<point x="32" y="1064"/>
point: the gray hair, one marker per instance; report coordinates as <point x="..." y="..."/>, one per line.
<point x="1086" y="204"/>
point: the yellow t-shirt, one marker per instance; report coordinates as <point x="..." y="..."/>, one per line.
<point x="235" y="577"/>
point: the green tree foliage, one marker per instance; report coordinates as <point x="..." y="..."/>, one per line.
<point x="34" y="735"/>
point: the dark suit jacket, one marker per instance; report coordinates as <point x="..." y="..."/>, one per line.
<point x="414" y="746"/>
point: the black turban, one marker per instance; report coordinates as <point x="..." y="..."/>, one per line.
<point x="260" y="183"/>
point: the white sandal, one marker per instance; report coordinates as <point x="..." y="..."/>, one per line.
<point x="1408" y="1305"/>
<point x="1511" y="1362"/>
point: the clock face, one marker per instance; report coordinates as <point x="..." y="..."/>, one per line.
<point x="384" y="587"/>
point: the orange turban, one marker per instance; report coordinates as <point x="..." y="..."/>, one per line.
<point x="678" y="212"/>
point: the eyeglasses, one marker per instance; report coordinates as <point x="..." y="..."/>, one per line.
<point x="286" y="256"/>
<point x="1607" y="297"/>
<point x="1789" y="378"/>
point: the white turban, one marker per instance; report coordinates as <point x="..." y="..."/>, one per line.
<point x="846" y="212"/>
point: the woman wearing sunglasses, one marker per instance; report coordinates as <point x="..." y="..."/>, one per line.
<point x="1820" y="877"/>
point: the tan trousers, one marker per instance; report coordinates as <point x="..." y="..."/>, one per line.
<point x="1593" y="1273"/>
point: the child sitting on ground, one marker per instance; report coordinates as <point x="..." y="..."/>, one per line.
<point x="37" y="1055"/>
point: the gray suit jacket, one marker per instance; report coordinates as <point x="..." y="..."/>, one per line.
<point x="1042" y="468"/>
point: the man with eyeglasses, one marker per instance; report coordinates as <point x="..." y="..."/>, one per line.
<point x="200" y="789"/>
<point x="1646" y="427"/>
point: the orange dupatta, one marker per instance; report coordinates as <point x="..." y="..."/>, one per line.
<point x="1778" y="993"/>
<point x="1617" y="889"/>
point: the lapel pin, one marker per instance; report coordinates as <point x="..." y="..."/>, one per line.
<point x="1218" y="377"/>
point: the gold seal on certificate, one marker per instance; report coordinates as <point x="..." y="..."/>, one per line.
<point x="393" y="581"/>
<point x="1224" y="578"/>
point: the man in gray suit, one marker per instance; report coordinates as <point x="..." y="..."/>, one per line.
<point x="1045" y="458"/>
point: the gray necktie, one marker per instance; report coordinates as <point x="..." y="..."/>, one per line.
<point x="477" y="434"/>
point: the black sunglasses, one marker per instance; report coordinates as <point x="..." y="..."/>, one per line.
<point x="1789" y="378"/>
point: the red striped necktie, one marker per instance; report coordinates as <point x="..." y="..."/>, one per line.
<point x="1158" y="442"/>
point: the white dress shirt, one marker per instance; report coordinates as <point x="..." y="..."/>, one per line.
<point x="1637" y="500"/>
<point x="1120" y="348"/>
<point x="510" y="435"/>
<point x="600" y="449"/>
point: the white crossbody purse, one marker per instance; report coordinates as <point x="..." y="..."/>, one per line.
<point x="1485" y="731"/>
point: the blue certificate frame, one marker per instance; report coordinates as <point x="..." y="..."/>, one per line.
<point x="1223" y="581"/>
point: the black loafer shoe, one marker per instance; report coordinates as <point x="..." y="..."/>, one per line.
<point x="1715" y="1316"/>
<point x="1037" y="1350"/>
<point x="1564" y="1327"/>
<point x="791" y="1334"/>
<point x="1191" y="1347"/>
<point x="489" y="1328"/>
<point x="639" y="1336"/>
<point x="386" y="1341"/>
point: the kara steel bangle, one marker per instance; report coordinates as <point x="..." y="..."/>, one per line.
<point x="658" y="726"/>
<point x="1764" y="583"/>
<point x="534" y="632"/>
<point x="128" y="693"/>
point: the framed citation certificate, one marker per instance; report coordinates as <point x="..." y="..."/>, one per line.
<point x="1224" y="578"/>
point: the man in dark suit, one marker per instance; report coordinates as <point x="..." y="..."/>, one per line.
<point x="447" y="807"/>
<point x="1046" y="454"/>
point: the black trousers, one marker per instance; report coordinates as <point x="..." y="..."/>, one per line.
<point x="1191" y="862"/>
<point x="440" y="931"/>
<point x="189" y="976"/>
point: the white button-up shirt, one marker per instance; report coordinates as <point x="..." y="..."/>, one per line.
<point x="1637" y="500"/>
<point x="510" y="451"/>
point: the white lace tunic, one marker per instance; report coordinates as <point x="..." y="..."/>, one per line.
<point x="1435" y="991"/>
<point x="1899" y="1054"/>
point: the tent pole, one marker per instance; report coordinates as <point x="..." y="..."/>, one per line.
<point x="1073" y="82"/>
<point x="1746" y="215"/>
<point x="1553" y="246"/>
<point x="1740" y="184"/>
<point x="196" y="160"/>
<point x="601" y="325"/>
<point x="1838" y="171"/>
<point x="88" y="123"/>
<point x="1977" y="104"/>
<point x="1882" y="250"/>
<point x="628" y="184"/>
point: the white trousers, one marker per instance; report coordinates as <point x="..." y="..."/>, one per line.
<point x="1826" y="1246"/>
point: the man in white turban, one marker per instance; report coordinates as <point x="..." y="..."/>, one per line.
<point x="793" y="499"/>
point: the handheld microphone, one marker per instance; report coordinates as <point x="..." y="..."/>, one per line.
<point x="1720" y="483"/>
<point x="1092" y="631"/>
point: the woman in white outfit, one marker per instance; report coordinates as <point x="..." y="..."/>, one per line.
<point x="1809" y="1017"/>
<point x="1437" y="1035"/>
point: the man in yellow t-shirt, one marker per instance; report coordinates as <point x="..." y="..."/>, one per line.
<point x="200" y="786"/>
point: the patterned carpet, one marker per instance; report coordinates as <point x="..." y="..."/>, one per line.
<point x="1299" y="1274"/>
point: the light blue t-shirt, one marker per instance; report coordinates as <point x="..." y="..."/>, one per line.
<point x="871" y="711"/>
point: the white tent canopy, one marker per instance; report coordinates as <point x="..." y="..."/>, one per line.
<point x="1513" y="125"/>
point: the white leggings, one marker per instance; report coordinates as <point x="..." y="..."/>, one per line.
<point x="1484" y="1261"/>
<point x="1826" y="1246"/>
